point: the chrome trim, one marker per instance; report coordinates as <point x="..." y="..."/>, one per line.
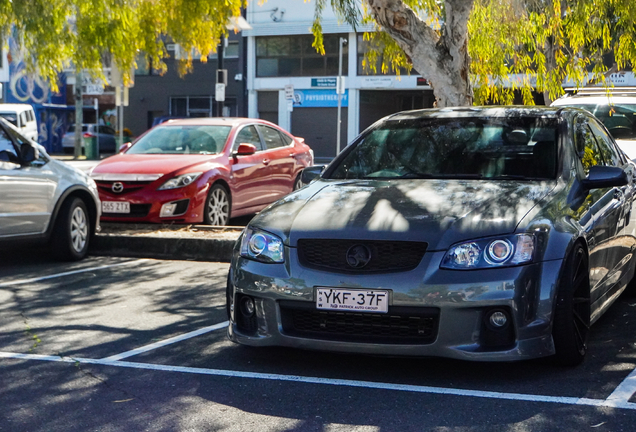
<point x="126" y="177"/>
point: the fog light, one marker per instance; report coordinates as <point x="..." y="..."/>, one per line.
<point x="167" y="209"/>
<point x="498" y="319"/>
<point x="247" y="306"/>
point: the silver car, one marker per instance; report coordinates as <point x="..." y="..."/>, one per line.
<point x="493" y="233"/>
<point x="105" y="136"/>
<point x="44" y="200"/>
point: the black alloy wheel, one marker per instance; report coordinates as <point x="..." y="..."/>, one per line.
<point x="571" y="325"/>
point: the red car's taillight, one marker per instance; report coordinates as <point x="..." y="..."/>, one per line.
<point x="88" y="135"/>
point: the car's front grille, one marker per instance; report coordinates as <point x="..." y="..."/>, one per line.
<point x="128" y="186"/>
<point x="136" y="211"/>
<point x="401" y="325"/>
<point x="385" y="256"/>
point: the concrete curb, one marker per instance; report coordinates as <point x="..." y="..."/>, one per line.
<point x="120" y="240"/>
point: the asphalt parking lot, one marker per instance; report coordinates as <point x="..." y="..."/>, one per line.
<point x="127" y="344"/>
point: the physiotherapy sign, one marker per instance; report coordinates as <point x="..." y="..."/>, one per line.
<point x="319" y="98"/>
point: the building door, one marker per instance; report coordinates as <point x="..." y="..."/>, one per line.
<point x="318" y="126"/>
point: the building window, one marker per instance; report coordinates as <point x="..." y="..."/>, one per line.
<point x="191" y="106"/>
<point x="144" y="66"/>
<point x="363" y="47"/>
<point x="230" y="51"/>
<point x="293" y="55"/>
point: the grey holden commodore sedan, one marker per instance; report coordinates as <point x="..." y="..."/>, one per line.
<point x="493" y="233"/>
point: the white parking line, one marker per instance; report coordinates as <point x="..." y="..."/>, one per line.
<point x="166" y="342"/>
<point x="625" y="389"/>
<point x="57" y="275"/>
<point x="329" y="381"/>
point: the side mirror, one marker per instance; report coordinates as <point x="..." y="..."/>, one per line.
<point x="245" y="149"/>
<point x="28" y="153"/>
<point x="311" y="173"/>
<point x="124" y="147"/>
<point x="604" y="177"/>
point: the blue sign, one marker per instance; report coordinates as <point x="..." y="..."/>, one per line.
<point x="319" y="99"/>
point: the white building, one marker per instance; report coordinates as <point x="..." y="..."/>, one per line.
<point x="279" y="54"/>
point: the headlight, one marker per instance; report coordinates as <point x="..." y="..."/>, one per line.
<point x="180" y="181"/>
<point x="262" y="246"/>
<point x="488" y="253"/>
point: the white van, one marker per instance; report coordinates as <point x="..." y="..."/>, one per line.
<point x="23" y="117"/>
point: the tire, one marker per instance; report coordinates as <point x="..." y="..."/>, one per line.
<point x="71" y="233"/>
<point x="571" y="325"/>
<point x="217" y="206"/>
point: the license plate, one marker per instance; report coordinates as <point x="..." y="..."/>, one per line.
<point x="115" y="207"/>
<point x="354" y="300"/>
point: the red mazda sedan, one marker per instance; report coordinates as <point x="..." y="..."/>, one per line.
<point x="202" y="170"/>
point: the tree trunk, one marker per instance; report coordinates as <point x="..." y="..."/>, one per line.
<point x="442" y="58"/>
<point x="550" y="64"/>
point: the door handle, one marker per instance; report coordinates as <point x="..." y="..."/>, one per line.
<point x="266" y="161"/>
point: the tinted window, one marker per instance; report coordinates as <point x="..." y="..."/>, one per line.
<point x="520" y="148"/>
<point x="611" y="155"/>
<point x="248" y="135"/>
<point x="586" y="145"/>
<point x="271" y="137"/>
<point x="182" y="140"/>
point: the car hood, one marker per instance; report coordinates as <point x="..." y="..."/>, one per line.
<point x="149" y="164"/>
<point x="439" y="212"/>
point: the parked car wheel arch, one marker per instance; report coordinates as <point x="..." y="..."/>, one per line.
<point x="218" y="184"/>
<point x="85" y="196"/>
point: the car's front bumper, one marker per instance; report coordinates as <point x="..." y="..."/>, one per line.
<point x="461" y="300"/>
<point x="146" y="203"/>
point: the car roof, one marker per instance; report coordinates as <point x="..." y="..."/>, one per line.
<point x="478" y="111"/>
<point x="213" y="121"/>
<point x="15" y="107"/>
<point x="595" y="100"/>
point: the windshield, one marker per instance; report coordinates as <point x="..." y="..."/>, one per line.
<point x="620" y="120"/>
<point x="182" y="140"/>
<point x="471" y="148"/>
<point x="11" y="117"/>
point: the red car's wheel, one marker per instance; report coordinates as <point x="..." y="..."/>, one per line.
<point x="217" y="206"/>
